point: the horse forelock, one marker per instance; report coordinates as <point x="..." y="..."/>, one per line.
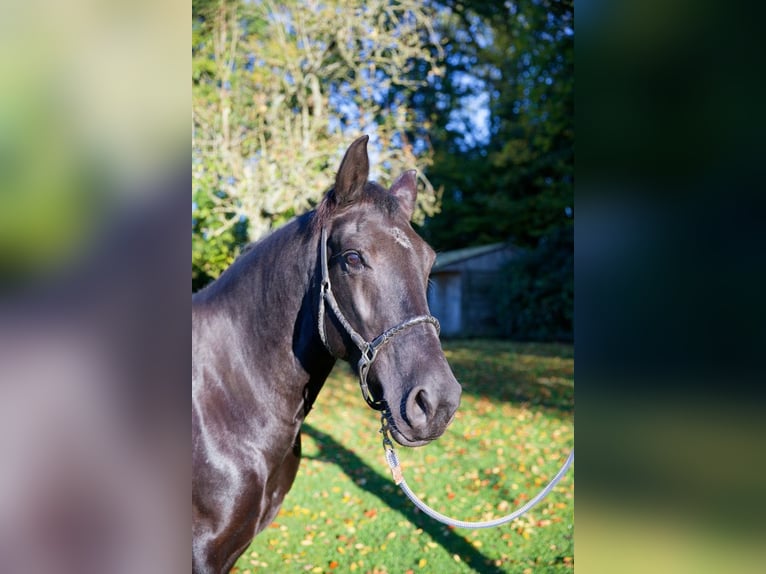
<point x="373" y="194"/>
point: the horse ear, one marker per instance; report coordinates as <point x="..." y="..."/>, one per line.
<point x="405" y="188"/>
<point x="353" y="173"/>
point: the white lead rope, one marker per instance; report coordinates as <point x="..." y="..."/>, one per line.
<point x="396" y="472"/>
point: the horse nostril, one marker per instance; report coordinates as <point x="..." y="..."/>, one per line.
<point x="418" y="408"/>
<point x="421" y="400"/>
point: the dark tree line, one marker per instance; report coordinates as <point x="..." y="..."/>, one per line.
<point x="516" y="61"/>
<point x="513" y="61"/>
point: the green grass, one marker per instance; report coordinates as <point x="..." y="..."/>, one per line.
<point x="512" y="432"/>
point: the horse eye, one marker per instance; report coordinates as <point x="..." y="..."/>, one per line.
<point x="352" y="259"/>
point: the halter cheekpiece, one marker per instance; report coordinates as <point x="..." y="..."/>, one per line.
<point x="368" y="349"/>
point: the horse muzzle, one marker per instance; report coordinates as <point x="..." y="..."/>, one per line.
<point x="424" y="413"/>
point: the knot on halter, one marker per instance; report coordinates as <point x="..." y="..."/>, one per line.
<point x="368" y="349"/>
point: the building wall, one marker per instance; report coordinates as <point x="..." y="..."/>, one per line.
<point x="463" y="295"/>
<point x="479" y="304"/>
<point x="445" y="301"/>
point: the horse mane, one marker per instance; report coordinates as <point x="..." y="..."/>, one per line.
<point x="309" y="226"/>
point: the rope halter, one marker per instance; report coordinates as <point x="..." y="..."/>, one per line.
<point x="368" y="349"/>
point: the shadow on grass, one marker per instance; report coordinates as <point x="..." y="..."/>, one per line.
<point x="539" y="374"/>
<point x="390" y="495"/>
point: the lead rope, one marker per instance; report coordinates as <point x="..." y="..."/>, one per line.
<point x="369" y="351"/>
<point x="396" y="473"/>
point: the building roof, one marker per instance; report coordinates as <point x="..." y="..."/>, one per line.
<point x="448" y="258"/>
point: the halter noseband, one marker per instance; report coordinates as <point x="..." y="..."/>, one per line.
<point x="369" y="349"/>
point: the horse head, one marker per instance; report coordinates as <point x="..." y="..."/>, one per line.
<point x="375" y="271"/>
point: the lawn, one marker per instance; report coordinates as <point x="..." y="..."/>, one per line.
<point x="512" y="432"/>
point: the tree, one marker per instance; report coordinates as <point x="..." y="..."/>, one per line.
<point x="535" y="294"/>
<point x="278" y="92"/>
<point x="509" y="177"/>
<point x="516" y="60"/>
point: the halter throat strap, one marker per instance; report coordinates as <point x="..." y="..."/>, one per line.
<point x="369" y="349"/>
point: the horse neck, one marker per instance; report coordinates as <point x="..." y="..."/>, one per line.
<point x="269" y="293"/>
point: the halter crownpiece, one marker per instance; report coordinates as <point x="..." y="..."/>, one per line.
<point x="368" y="349"/>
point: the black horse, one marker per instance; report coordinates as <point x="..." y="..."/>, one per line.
<point x="345" y="281"/>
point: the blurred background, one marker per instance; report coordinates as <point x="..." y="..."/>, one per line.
<point x="94" y="327"/>
<point x="669" y="272"/>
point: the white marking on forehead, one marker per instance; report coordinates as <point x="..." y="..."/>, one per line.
<point x="401" y="237"/>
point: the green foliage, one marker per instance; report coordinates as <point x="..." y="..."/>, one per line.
<point x="519" y="57"/>
<point x="516" y="59"/>
<point x="511" y="433"/>
<point x="216" y="241"/>
<point x="280" y="89"/>
<point x="536" y="300"/>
